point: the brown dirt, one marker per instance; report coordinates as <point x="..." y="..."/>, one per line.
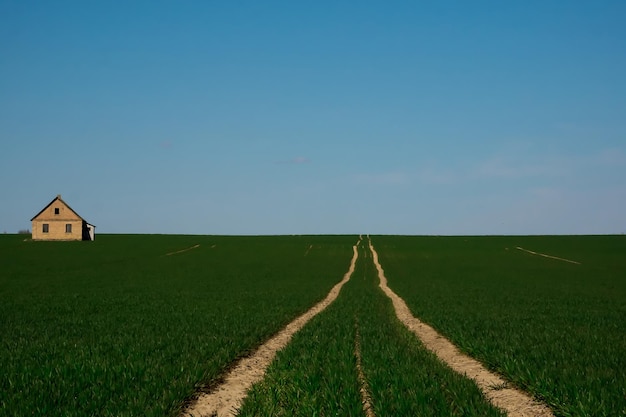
<point x="227" y="397"/>
<point x="548" y="256"/>
<point x="516" y="403"/>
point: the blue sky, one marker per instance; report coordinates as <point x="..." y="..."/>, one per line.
<point x="248" y="117"/>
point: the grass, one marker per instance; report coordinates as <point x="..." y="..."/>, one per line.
<point x="116" y="328"/>
<point x="555" y="329"/>
<point x="316" y="373"/>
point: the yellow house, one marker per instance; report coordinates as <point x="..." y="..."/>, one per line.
<point x="57" y="221"/>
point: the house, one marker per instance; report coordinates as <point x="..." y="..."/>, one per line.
<point x="57" y="221"/>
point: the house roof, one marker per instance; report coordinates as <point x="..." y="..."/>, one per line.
<point x="58" y="198"/>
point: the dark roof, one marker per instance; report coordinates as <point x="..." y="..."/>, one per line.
<point x="58" y="198"/>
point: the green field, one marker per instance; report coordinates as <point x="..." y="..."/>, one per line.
<point x="316" y="374"/>
<point x="116" y="327"/>
<point x="556" y="329"/>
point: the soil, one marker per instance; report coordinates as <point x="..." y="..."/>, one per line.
<point x="226" y="398"/>
<point x="514" y="402"/>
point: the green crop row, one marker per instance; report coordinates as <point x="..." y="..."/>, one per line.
<point x="316" y="374"/>
<point x="117" y="328"/>
<point x="553" y="328"/>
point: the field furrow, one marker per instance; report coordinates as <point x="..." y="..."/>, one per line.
<point x="226" y="398"/>
<point x="554" y="329"/>
<point x="116" y="328"/>
<point x="320" y="373"/>
<point x="515" y="402"/>
<point x="145" y="325"/>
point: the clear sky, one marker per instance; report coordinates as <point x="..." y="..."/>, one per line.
<point x="262" y="117"/>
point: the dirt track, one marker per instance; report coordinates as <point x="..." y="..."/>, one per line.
<point x="515" y="402"/>
<point x="183" y="250"/>
<point x="227" y="397"/>
<point x="547" y="256"/>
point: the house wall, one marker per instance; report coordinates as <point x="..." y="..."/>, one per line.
<point x="56" y="230"/>
<point x="56" y="224"/>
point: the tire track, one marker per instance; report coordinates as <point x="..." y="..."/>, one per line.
<point x="516" y="403"/>
<point x="226" y="398"/>
<point x="183" y="250"/>
<point x="547" y="256"/>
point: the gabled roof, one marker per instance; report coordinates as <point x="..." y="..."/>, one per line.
<point x="58" y="198"/>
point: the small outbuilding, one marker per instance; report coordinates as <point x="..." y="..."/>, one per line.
<point x="57" y="221"/>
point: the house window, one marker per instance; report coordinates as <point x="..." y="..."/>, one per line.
<point x="56" y="210"/>
<point x="68" y="228"/>
<point x="45" y="228"/>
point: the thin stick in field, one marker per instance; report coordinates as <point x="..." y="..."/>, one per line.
<point x="226" y="398"/>
<point x="515" y="402"/>
<point x="548" y="256"/>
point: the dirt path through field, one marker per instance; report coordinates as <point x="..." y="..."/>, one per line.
<point x="227" y="397"/>
<point x="547" y="256"/>
<point x="515" y="402"/>
<point x="183" y="250"/>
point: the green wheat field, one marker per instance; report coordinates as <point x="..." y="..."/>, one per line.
<point x="136" y="325"/>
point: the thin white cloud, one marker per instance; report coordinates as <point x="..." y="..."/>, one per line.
<point x="431" y="175"/>
<point x="609" y="157"/>
<point x="589" y="130"/>
<point x="385" y="178"/>
<point x="298" y="160"/>
<point x="511" y="168"/>
<point x="519" y="166"/>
